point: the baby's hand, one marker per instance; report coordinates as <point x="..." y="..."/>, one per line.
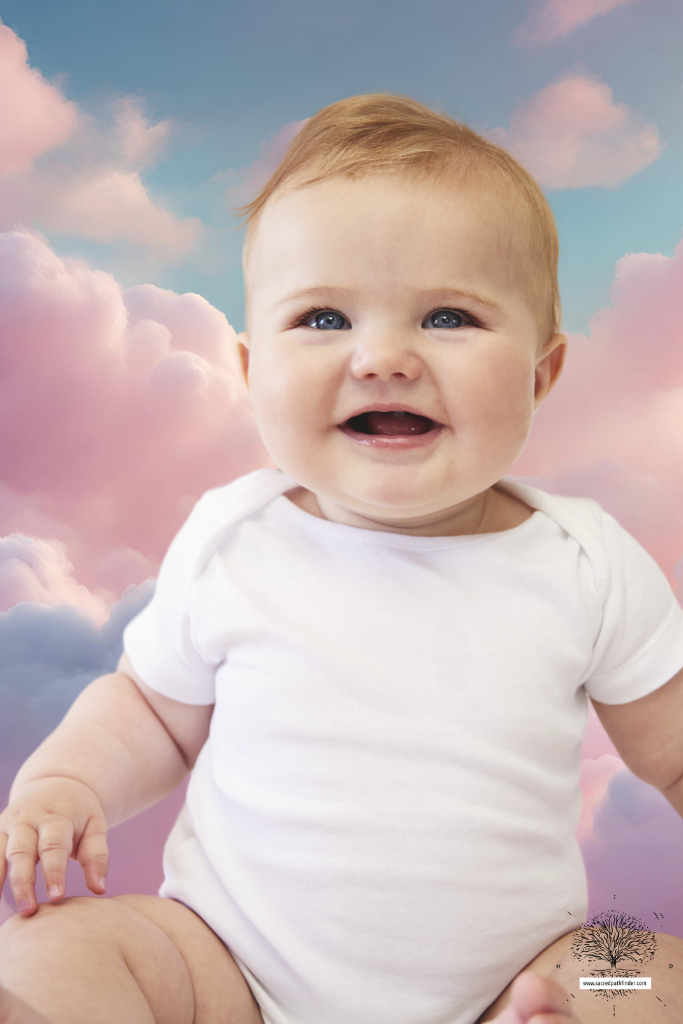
<point x="51" y="820"/>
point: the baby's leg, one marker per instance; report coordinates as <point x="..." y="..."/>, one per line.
<point x="138" y="959"/>
<point x="557" y="964"/>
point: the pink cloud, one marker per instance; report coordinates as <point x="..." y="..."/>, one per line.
<point x="595" y="776"/>
<point x="38" y="570"/>
<point x="139" y="142"/>
<point x="119" y="409"/>
<point x="71" y="172"/>
<point x="611" y="428"/>
<point x="552" y="19"/>
<point x="600" y="760"/>
<point x="34" y="115"/>
<point x="103" y="203"/>
<point x="572" y="134"/>
<point x="633" y="854"/>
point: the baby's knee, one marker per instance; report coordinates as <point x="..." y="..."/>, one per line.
<point x="96" y="926"/>
<point x="84" y="938"/>
<point x="85" y="918"/>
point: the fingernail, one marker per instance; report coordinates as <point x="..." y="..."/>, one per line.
<point x="102" y="884"/>
<point x="54" y="892"/>
<point x="22" y="905"/>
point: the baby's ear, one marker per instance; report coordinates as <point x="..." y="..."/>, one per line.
<point x="242" y="340"/>
<point x="549" y="366"/>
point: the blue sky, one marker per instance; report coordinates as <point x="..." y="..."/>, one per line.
<point x="230" y="75"/>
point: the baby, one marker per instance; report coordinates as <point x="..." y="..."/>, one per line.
<point x="376" y="661"/>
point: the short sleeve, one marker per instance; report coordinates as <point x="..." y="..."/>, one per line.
<point x="159" y="640"/>
<point x="640" y="643"/>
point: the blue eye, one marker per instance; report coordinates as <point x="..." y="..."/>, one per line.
<point x="324" y="320"/>
<point x="331" y="320"/>
<point x="448" y="318"/>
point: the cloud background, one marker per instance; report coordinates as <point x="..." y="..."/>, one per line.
<point x="120" y="295"/>
<point x="549" y="20"/>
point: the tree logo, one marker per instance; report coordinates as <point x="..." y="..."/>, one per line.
<point x="614" y="938"/>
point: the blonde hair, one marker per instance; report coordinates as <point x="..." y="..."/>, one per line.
<point x="389" y="133"/>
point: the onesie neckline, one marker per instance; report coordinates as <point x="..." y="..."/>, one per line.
<point x="283" y="506"/>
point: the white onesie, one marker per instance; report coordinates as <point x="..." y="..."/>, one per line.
<point x="381" y="824"/>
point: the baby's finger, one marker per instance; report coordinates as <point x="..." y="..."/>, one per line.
<point x="22" y="855"/>
<point x="55" y="842"/>
<point x="93" y="854"/>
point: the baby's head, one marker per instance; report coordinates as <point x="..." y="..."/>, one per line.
<point x="402" y="313"/>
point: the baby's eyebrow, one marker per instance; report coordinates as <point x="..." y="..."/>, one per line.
<point x="305" y="293"/>
<point x="434" y="295"/>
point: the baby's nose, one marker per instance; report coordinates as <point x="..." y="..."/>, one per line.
<point x="385" y="356"/>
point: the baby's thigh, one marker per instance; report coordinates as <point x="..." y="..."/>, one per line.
<point x="559" y="962"/>
<point x="221" y="994"/>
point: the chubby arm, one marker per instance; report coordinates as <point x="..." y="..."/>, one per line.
<point x="120" y="748"/>
<point x="648" y="733"/>
<point x="130" y="745"/>
<point x="186" y="724"/>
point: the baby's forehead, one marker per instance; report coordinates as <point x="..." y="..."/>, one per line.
<point x="323" y="211"/>
<point x="338" y="193"/>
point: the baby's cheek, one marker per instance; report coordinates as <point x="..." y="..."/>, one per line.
<point x="287" y="422"/>
<point x="508" y="413"/>
<point x="512" y="384"/>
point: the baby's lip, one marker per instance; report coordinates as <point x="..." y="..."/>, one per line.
<point x="390" y="407"/>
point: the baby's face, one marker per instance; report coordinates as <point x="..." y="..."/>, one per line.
<point x="380" y="383"/>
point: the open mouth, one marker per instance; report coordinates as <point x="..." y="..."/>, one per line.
<point x="391" y="424"/>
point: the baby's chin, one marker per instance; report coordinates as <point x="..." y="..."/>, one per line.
<point x="428" y="492"/>
<point x="403" y="492"/>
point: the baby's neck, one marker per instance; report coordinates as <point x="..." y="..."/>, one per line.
<point x="494" y="512"/>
